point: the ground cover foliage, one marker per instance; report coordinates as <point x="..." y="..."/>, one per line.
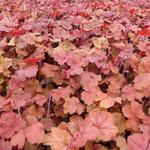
<point x="74" y="75"/>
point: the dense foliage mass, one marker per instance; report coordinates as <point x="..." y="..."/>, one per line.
<point x="74" y="74"/>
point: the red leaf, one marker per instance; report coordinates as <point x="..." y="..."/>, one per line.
<point x="30" y="60"/>
<point x="18" y="32"/>
<point x="132" y="11"/>
<point x="144" y="32"/>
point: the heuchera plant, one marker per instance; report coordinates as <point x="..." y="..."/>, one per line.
<point x="74" y="75"/>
